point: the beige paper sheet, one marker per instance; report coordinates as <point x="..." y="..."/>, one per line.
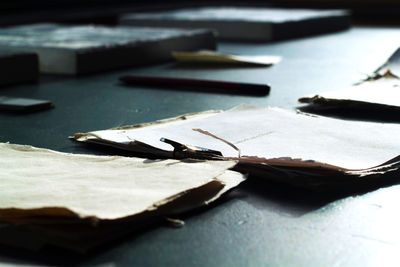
<point x="213" y="57"/>
<point x="37" y="182"/>
<point x="270" y="133"/>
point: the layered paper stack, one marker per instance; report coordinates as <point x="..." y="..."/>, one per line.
<point x="67" y="49"/>
<point x="247" y="23"/>
<point x="379" y="92"/>
<point x="80" y="201"/>
<point x="271" y="143"/>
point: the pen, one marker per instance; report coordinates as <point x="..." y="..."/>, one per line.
<point x="189" y="83"/>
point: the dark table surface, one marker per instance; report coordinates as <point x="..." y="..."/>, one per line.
<point x="259" y="223"/>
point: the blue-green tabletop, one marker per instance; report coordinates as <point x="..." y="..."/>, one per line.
<point x="259" y="223"/>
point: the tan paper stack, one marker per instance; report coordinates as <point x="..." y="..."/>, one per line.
<point x="81" y="201"/>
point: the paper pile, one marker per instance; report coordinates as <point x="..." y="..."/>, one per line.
<point x="255" y="24"/>
<point x="379" y="92"/>
<point x="81" y="201"/>
<point x="271" y="143"/>
<point x="73" y="50"/>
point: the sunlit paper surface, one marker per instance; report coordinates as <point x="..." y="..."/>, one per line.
<point x="383" y="91"/>
<point x="266" y="133"/>
<point x="40" y="182"/>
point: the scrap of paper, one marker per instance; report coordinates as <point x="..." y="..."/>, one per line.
<point x="218" y="58"/>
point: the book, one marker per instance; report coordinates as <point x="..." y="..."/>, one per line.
<point x="78" y="202"/>
<point x="23" y="105"/>
<point x="18" y="67"/>
<point x="245" y="23"/>
<point x="83" y="49"/>
<point x="270" y="143"/>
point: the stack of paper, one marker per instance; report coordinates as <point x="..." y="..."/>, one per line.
<point x="81" y="201"/>
<point x="67" y="49"/>
<point x="380" y="91"/>
<point x="271" y="143"/>
<point x="247" y="23"/>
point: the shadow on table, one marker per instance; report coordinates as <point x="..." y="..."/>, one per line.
<point x="57" y="256"/>
<point x="376" y="113"/>
<point x="295" y="201"/>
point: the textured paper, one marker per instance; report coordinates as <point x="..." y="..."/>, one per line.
<point x="384" y="91"/>
<point x="217" y="58"/>
<point x="268" y="133"/>
<point x="40" y="182"/>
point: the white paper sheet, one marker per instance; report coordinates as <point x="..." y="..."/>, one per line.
<point x="383" y="91"/>
<point x="271" y="133"/>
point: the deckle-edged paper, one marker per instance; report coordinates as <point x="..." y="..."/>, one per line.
<point x="270" y="133"/>
<point x="392" y="65"/>
<point x="273" y="136"/>
<point x="40" y="182"/>
<point x="381" y="90"/>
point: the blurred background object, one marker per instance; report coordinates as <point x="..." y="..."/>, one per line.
<point x="107" y="11"/>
